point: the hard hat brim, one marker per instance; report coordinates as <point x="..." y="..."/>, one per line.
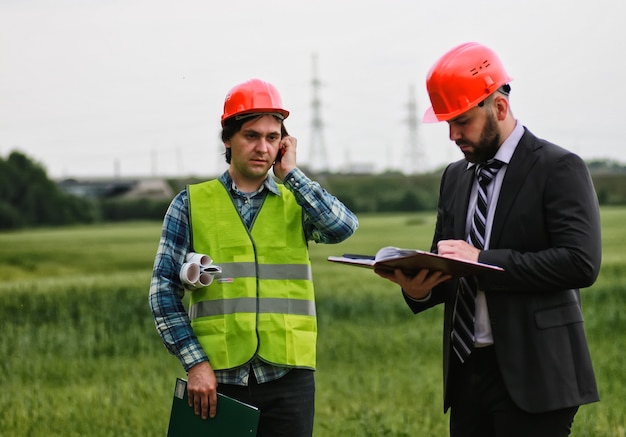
<point x="430" y="116"/>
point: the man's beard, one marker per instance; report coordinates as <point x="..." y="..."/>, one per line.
<point x="488" y="144"/>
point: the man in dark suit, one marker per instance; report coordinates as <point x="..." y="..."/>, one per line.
<point x="525" y="367"/>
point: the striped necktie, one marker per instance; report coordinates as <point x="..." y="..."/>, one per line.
<point x="464" y="308"/>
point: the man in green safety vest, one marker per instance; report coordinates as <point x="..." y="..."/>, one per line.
<point x="251" y="332"/>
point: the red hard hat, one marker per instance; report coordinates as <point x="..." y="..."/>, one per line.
<point x="251" y="97"/>
<point x="461" y="79"/>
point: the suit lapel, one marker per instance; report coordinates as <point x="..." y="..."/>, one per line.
<point x="517" y="171"/>
<point x="463" y="189"/>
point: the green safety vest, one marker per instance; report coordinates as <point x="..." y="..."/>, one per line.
<point x="263" y="302"/>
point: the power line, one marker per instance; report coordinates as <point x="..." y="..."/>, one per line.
<point x="414" y="151"/>
<point x="318" y="159"/>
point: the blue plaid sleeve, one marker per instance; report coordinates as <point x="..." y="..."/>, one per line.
<point x="166" y="290"/>
<point x="326" y="219"/>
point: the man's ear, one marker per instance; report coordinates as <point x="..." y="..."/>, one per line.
<point x="501" y="106"/>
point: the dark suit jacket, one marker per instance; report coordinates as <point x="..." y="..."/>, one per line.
<point x="546" y="235"/>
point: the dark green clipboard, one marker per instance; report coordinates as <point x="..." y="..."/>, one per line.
<point x="233" y="418"/>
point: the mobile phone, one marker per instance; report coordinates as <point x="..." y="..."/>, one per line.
<point x="283" y="133"/>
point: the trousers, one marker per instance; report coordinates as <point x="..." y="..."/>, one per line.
<point x="287" y="404"/>
<point x="481" y="406"/>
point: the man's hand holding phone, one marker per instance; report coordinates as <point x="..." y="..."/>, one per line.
<point x="286" y="157"/>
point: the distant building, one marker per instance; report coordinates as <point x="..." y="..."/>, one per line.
<point x="155" y="189"/>
<point x="359" y="168"/>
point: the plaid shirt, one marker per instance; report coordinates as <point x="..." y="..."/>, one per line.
<point x="326" y="220"/>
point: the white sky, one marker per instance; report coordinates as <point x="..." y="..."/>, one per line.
<point x="136" y="87"/>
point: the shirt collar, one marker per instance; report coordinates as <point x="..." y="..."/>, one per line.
<point x="506" y="150"/>
<point x="268" y="184"/>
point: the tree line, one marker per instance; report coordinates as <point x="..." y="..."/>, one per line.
<point x="28" y="198"/>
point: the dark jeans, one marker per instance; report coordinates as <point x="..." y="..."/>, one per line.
<point x="481" y="406"/>
<point x="287" y="404"/>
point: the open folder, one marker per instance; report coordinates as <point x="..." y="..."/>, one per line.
<point x="233" y="418"/>
<point x="411" y="261"/>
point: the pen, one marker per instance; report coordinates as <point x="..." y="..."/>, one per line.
<point x="355" y="256"/>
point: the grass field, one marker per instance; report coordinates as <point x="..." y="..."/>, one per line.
<point x="80" y="355"/>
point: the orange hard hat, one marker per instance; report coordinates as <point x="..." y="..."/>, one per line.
<point x="251" y="97"/>
<point x="461" y="79"/>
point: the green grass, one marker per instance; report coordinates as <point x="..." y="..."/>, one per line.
<point x="80" y="354"/>
<point x="83" y="251"/>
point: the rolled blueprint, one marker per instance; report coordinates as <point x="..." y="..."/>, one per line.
<point x="198" y="271"/>
<point x="205" y="279"/>
<point x="199" y="258"/>
<point x="190" y="273"/>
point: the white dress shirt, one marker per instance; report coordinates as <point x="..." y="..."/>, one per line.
<point x="482" y="325"/>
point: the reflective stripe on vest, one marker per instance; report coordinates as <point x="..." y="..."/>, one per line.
<point x="209" y="308"/>
<point x="264" y="271"/>
<point x="263" y="302"/>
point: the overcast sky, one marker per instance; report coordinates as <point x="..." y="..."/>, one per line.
<point x="136" y="87"/>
